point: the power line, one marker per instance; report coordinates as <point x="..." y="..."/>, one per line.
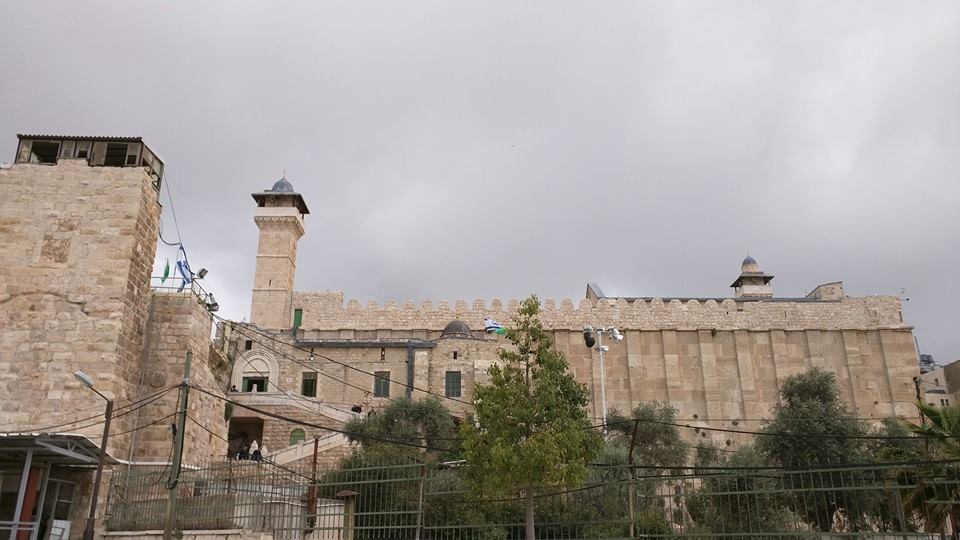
<point x="318" y="426"/>
<point x="339" y="363"/>
<point x="802" y="435"/>
<point x="144" y="426"/>
<point x="156" y="395"/>
<point x="295" y="361"/>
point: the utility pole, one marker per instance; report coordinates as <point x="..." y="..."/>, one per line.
<point x="178" y="448"/>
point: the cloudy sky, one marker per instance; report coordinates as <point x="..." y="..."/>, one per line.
<point x="462" y="150"/>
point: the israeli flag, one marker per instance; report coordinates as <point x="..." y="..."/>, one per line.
<point x="183" y="268"/>
<point x="491" y="325"/>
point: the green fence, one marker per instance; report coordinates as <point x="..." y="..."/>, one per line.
<point x="403" y="497"/>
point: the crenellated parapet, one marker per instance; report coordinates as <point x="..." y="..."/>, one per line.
<point x="327" y="311"/>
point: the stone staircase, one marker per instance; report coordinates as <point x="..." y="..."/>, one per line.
<point x="304" y="449"/>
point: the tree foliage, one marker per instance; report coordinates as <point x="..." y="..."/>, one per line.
<point x="936" y="499"/>
<point x="531" y="433"/>
<point x="425" y="423"/>
<point x="812" y="428"/>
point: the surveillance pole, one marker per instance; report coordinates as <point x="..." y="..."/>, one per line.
<point x="603" y="381"/>
<point x="589" y="341"/>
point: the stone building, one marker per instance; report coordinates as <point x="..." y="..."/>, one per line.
<point x="719" y="361"/>
<point x="79" y="219"/>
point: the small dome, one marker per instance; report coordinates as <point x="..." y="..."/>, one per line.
<point x="456" y="328"/>
<point x="749" y="265"/>
<point x="283" y="186"/>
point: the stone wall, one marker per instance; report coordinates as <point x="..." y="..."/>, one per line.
<point x="727" y="379"/>
<point x="78" y="246"/>
<point x="322" y="313"/>
<point x="178" y="323"/>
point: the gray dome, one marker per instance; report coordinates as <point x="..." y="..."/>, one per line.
<point x="456" y="328"/>
<point x="283" y="186"/>
<point x="749" y="265"/>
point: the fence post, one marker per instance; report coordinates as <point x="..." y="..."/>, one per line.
<point x="632" y="494"/>
<point x="423" y="479"/>
<point x="312" y="492"/>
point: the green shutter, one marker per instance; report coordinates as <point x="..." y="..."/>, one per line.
<point x="452" y="384"/>
<point x="297" y="318"/>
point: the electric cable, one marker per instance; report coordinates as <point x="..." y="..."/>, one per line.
<point x="339" y="363"/>
<point x="321" y="427"/>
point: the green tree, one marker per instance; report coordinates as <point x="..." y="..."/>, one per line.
<point x="812" y="428"/>
<point x="531" y="433"/>
<point x="935" y="496"/>
<point x="657" y="442"/>
<point x="426" y="423"/>
<point x="739" y="497"/>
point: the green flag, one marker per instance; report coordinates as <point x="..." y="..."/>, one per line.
<point x="166" y="272"/>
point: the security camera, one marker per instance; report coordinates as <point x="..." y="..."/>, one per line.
<point x="588" y="338"/>
<point x="615" y="334"/>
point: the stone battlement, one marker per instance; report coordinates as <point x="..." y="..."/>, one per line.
<point x="326" y="311"/>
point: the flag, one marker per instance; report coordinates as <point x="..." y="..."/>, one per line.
<point x="166" y="272"/>
<point x="183" y="268"/>
<point x="493" y="327"/>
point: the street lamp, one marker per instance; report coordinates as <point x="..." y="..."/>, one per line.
<point x="590" y="341"/>
<point x="88" y="382"/>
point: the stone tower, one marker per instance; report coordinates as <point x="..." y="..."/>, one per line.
<point x="279" y="216"/>
<point x="752" y="283"/>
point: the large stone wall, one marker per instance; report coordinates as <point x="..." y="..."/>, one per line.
<point x="726" y="379"/>
<point x="325" y="311"/>
<point x="78" y="245"/>
<point x="178" y="323"/>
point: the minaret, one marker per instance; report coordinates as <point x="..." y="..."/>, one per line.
<point x="279" y="216"/>
<point x="752" y="283"/>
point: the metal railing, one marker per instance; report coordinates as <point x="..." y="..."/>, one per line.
<point x="401" y="495"/>
<point x="177" y="284"/>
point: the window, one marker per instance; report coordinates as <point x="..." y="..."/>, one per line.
<point x="454" y="355"/>
<point x="297" y="436"/>
<point x="116" y="155"/>
<point x="381" y="384"/>
<point x="254" y="384"/>
<point x="936" y="382"/>
<point x="44" y="152"/>
<point x="83" y="149"/>
<point x="452" y="384"/>
<point x="297" y="318"/>
<point x="66" y="149"/>
<point x="383" y="354"/>
<point x="248" y="344"/>
<point x="309" y="386"/>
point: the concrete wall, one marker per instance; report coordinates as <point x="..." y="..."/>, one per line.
<point x="78" y="245"/>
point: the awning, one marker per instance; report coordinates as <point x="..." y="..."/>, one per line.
<point x="55" y="448"/>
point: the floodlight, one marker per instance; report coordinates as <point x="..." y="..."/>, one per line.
<point x="84" y="378"/>
<point x="202" y="273"/>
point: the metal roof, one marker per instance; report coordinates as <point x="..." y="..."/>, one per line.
<point x="80" y="138"/>
<point x="56" y="448"/>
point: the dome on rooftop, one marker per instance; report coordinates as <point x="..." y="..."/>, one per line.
<point x="456" y="328"/>
<point x="750" y="265"/>
<point x="282" y="185"/>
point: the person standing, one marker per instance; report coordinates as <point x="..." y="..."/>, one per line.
<point x="255" y="450"/>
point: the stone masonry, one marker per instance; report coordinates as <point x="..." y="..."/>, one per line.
<point x="719" y="361"/>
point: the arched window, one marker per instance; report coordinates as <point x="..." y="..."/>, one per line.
<point x="297" y="436"/>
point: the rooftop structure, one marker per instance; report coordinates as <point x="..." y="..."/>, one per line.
<point x="97" y="151"/>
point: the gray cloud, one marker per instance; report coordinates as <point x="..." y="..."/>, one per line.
<point x="492" y="149"/>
